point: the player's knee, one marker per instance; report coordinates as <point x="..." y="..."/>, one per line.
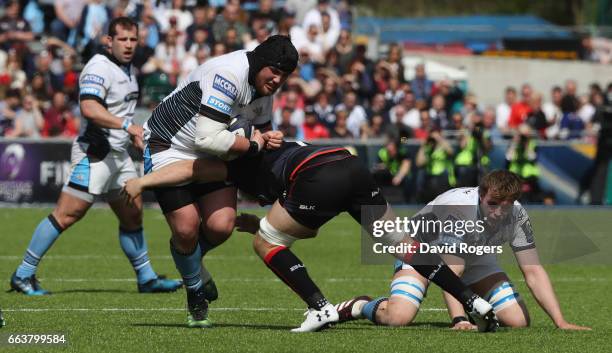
<point x="66" y="218"/>
<point x="221" y="227"/>
<point x="185" y="232"/>
<point x="398" y="318"/>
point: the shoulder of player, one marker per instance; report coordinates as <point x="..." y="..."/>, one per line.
<point x="97" y="66"/>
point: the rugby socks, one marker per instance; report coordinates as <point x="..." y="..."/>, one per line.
<point x="292" y="271"/>
<point x="205" y="247"/>
<point x="432" y="267"/>
<point x="135" y="248"/>
<point x="189" y="267"/>
<point x="370" y="308"/>
<point x="43" y="238"/>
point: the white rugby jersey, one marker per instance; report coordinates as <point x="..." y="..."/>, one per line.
<point x="463" y="204"/>
<point x="113" y="85"/>
<point x="218" y="89"/>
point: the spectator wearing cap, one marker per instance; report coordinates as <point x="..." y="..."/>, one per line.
<point x="312" y="128"/>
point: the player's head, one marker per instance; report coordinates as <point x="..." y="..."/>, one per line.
<point x="498" y="190"/>
<point x="123" y="38"/>
<point x="270" y="63"/>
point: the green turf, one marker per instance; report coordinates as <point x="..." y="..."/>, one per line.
<point x="120" y="320"/>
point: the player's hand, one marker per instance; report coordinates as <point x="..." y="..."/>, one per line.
<point x="396" y="180"/>
<point x="131" y="190"/>
<point x="464" y="326"/>
<point x="258" y="137"/>
<point x="248" y="223"/>
<point x="136" y="131"/>
<point x="273" y="139"/>
<point x="568" y="326"/>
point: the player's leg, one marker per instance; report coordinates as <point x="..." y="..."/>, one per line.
<point x="71" y="206"/>
<point x="218" y="211"/>
<point x="365" y="193"/>
<point x="131" y="233"/>
<point x="272" y="242"/>
<point x="508" y="305"/>
<point x="86" y="181"/>
<point x="407" y="290"/>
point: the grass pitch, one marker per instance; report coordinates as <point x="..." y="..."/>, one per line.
<point x="95" y="302"/>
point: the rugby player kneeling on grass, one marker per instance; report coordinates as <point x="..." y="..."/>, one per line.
<point x="495" y="201"/>
<point x="308" y="186"/>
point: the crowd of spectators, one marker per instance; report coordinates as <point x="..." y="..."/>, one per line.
<point x="337" y="91"/>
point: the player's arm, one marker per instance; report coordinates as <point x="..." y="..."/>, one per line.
<point x="201" y="170"/>
<point x="540" y="286"/>
<point x="456" y="311"/>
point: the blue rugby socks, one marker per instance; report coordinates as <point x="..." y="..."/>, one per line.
<point x="135" y="248"/>
<point x="44" y="236"/>
<point x="188" y="266"/>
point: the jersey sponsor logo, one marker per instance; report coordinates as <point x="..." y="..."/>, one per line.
<point x="91" y="90"/>
<point x="91" y="78"/>
<point x="307" y="207"/>
<point x="219" y="104"/>
<point x="225" y="86"/>
<point x="131" y="96"/>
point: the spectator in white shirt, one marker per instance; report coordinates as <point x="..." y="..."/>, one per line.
<point x="502" y="112"/>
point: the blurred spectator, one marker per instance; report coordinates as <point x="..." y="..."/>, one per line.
<point x="286" y="126"/>
<point x="311" y="43"/>
<point x="393" y="62"/>
<point x="472" y="160"/>
<point x="149" y="23"/>
<point x="11" y="75"/>
<point x="9" y="107"/>
<point x="29" y="121"/>
<point x="435" y="156"/>
<point x="176" y="13"/>
<point x="569" y="102"/>
<point x="312" y="129"/>
<point x="393" y="168"/>
<point x="420" y="84"/>
<point x="394" y="92"/>
<point x="397" y="129"/>
<point x="232" y="43"/>
<point x="456" y="122"/>
<point x="315" y="15"/>
<point x="329" y="36"/>
<point x="15" y="32"/>
<point x="356" y="114"/>
<point x="68" y="15"/>
<point x="490" y="126"/>
<point x="168" y="58"/>
<point x="229" y="18"/>
<point x="585" y="112"/>
<point x="299" y="8"/>
<point x="143" y="52"/>
<point x="94" y="20"/>
<point x="411" y="116"/>
<point x="378" y="106"/>
<point x="453" y="95"/>
<point x="41" y="89"/>
<point x="261" y="34"/>
<point x="503" y="110"/>
<point x="344" y="49"/>
<point x="536" y="118"/>
<point x="290" y="100"/>
<point x="422" y="131"/>
<point x="552" y="111"/>
<point x="520" y="110"/>
<point x="521" y="158"/>
<point x="377" y="127"/>
<point x="200" y="22"/>
<point x="218" y="49"/>
<point x="340" y="129"/>
<point x="59" y="120"/>
<point x="266" y="12"/>
<point x="438" y="113"/>
<point x="325" y="110"/>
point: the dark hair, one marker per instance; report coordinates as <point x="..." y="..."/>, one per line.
<point x="124" y="22"/>
<point x="510" y="89"/>
<point x="504" y="184"/>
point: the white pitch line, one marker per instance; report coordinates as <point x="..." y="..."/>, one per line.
<point x="162" y="309"/>
<point x="330" y="280"/>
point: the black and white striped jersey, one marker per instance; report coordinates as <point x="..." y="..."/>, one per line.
<point x="113" y="85"/>
<point x="218" y="89"/>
